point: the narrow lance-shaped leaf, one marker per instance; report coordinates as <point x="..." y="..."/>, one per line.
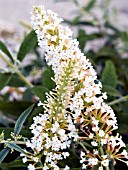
<point x="46" y="78"/>
<point x="15" y="81"/>
<point x="87" y="23"/>
<point x="21" y="120"/>
<point x="109" y="76"/>
<point x="4" y="49"/>
<point x="76" y="20"/>
<point x="40" y="91"/>
<point x="10" y="80"/>
<point x="81" y="38"/>
<point x="4" y="153"/>
<point x="14" y="107"/>
<point x="4" y="80"/>
<point x="106" y="52"/>
<point x="15" y="163"/>
<point x="27" y="45"/>
<point x="90" y="5"/>
<point x="111" y="91"/>
<point x="110" y="26"/>
<point x="16" y="147"/>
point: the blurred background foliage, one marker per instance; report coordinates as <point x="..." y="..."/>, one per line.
<point x="26" y="77"/>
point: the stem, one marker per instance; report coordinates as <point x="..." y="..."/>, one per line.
<point x="102" y="152"/>
<point x="39" y="167"/>
<point x="16" y="142"/>
<point x="83" y="146"/>
<point x="122" y="99"/>
<point x="17" y="71"/>
<point x="26" y="25"/>
<point x="23" y="78"/>
<point x="107" y="168"/>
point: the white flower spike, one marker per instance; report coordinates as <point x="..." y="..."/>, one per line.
<point x="76" y="100"/>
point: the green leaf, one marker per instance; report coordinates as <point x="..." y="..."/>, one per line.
<point x="3" y="154"/>
<point x="109" y="76"/>
<point x="15" y="163"/>
<point x="124" y="106"/>
<point x="106" y="52"/>
<point x="4" y="49"/>
<point x="46" y="78"/>
<point x="76" y="23"/>
<point x="83" y="38"/>
<point x="27" y="45"/>
<point x="110" y="26"/>
<point x="35" y="112"/>
<point x="76" y="20"/>
<point x="40" y="91"/>
<point x="10" y="80"/>
<point x="90" y="5"/>
<point x="124" y="37"/>
<point x="14" y="108"/>
<point x="15" y="81"/>
<point x="21" y="120"/>
<point x="16" y="147"/>
<point x="28" y="95"/>
<point x="111" y="91"/>
<point x="4" y="80"/>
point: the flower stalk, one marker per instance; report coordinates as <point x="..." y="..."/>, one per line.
<point x="122" y="99"/>
<point x="16" y="71"/>
<point x="15" y="142"/>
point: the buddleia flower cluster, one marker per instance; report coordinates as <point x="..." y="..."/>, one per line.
<point x="75" y="111"/>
